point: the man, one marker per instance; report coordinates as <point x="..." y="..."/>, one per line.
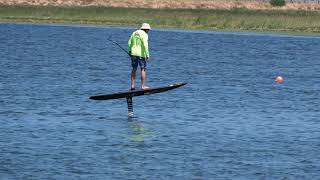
<point x="139" y="52"/>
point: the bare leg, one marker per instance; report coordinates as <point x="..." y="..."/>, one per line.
<point x="133" y="77"/>
<point x="143" y="78"/>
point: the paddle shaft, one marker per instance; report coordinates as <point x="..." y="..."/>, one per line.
<point x="109" y="39"/>
<point x="119" y="46"/>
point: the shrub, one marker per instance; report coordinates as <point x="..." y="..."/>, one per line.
<point x="277" y="2"/>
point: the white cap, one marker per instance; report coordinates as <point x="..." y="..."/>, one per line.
<point x="145" y="26"/>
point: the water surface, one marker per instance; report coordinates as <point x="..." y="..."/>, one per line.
<point x="232" y="121"/>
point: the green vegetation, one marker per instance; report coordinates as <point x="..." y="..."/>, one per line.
<point x="230" y="20"/>
<point x="278" y="2"/>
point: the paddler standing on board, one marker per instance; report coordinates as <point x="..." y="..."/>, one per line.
<point x="139" y="53"/>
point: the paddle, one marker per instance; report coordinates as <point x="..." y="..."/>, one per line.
<point x="109" y="39"/>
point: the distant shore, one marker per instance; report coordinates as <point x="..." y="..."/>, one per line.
<point x="237" y="19"/>
<point x="173" y="4"/>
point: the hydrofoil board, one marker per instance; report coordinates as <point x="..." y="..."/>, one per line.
<point x="141" y="92"/>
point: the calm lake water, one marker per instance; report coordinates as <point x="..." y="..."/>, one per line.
<point x="231" y="121"/>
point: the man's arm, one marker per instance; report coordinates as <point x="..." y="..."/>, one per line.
<point x="146" y="46"/>
<point x="130" y="45"/>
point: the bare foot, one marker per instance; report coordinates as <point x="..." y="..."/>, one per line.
<point x="145" y="87"/>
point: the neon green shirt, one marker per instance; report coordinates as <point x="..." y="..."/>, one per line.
<point x="138" y="44"/>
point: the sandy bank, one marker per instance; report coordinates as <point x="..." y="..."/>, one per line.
<point x="172" y="4"/>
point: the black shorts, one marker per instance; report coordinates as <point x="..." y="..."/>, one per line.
<point x="136" y="60"/>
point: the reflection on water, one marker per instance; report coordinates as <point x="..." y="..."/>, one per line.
<point x="139" y="133"/>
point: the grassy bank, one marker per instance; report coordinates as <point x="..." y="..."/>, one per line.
<point x="233" y="20"/>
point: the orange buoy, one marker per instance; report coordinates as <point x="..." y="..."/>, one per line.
<point x="279" y="79"/>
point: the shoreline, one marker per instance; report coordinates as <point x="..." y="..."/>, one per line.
<point x="235" y="20"/>
<point x="176" y="4"/>
<point x="289" y="34"/>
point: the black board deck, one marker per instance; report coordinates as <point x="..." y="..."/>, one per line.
<point x="133" y="93"/>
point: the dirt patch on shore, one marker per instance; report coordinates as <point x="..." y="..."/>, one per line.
<point x="172" y="4"/>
